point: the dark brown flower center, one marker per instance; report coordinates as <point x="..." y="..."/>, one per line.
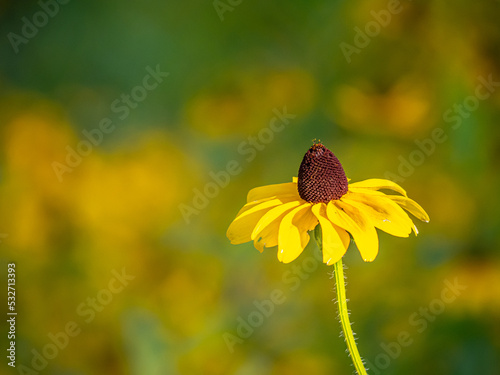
<point x="321" y="176"/>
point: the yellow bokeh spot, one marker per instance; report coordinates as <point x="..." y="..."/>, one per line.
<point x="401" y="111"/>
<point x="247" y="102"/>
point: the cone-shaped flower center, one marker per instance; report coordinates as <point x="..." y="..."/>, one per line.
<point x="321" y="176"/>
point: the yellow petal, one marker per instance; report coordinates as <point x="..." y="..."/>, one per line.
<point x="273" y="214"/>
<point x="242" y="226"/>
<point x="293" y="236"/>
<point x="378" y="184"/>
<point x="270" y="191"/>
<point x="308" y="220"/>
<point x="354" y="221"/>
<point x="267" y="237"/>
<point x="382" y="212"/>
<point x="255" y="206"/>
<point x="353" y="189"/>
<point x="333" y="245"/>
<point x="411" y="206"/>
<point x="344" y="236"/>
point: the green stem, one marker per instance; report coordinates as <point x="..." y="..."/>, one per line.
<point x="343" y="312"/>
<point x="344" y="318"/>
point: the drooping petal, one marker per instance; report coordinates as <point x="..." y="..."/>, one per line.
<point x="240" y="230"/>
<point x="270" y="191"/>
<point x="382" y="212"/>
<point x="333" y="245"/>
<point x="344" y="236"/>
<point x="355" y="222"/>
<point x="378" y="184"/>
<point x="268" y="237"/>
<point x="411" y="206"/>
<point x="308" y="220"/>
<point x="293" y="237"/>
<point x="272" y="215"/>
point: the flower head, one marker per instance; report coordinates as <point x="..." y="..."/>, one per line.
<point x="282" y="214"/>
<point x="321" y="176"/>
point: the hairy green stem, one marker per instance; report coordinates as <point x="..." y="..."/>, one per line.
<point x="344" y="318"/>
<point x="343" y="312"/>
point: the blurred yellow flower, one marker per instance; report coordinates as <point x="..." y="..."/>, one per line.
<point x="282" y="214"/>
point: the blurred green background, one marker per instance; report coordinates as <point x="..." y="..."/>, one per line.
<point x="396" y="89"/>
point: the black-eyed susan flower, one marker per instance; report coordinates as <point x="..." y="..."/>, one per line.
<point x="283" y="214"/>
<point x="322" y="197"/>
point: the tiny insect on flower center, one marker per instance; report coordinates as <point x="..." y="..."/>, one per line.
<point x="321" y="176"/>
